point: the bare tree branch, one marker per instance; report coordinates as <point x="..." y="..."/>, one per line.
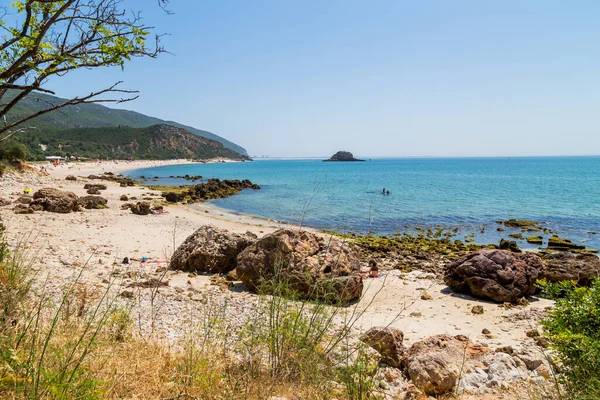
<point x="55" y="37"/>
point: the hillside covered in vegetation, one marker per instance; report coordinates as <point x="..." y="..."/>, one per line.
<point x="157" y="142"/>
<point x="94" y="116"/>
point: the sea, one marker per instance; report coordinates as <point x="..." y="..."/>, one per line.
<point x="468" y="194"/>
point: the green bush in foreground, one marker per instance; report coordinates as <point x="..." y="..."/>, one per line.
<point x="573" y="327"/>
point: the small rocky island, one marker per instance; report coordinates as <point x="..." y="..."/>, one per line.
<point x="343" y="156"/>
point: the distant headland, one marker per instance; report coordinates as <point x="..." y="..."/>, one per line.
<point x="343" y="156"/>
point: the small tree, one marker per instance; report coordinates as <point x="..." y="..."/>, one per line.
<point x="50" y="38"/>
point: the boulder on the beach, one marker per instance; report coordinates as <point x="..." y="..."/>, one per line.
<point x="5" y="202"/>
<point x="22" y="209"/>
<point x="140" y="208"/>
<point x="96" y="186"/>
<point x="93" y="191"/>
<point x="211" y="249"/>
<point x="71" y="178"/>
<point x="24" y="199"/>
<point x="435" y="364"/>
<point x="124" y="198"/>
<point x="497" y="275"/>
<point x="388" y="342"/>
<point x="92" y="202"/>
<point x="582" y="268"/>
<point x="302" y="263"/>
<point x="54" y="200"/>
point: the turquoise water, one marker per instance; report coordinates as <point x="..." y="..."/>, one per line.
<point x="469" y="193"/>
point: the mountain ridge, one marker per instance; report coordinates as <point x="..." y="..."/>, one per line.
<point x="96" y="116"/>
<point x="158" y="142"/>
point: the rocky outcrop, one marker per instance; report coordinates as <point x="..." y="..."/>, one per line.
<point x="211" y="249"/>
<point x="343" y="156"/>
<point x="211" y="189"/>
<point x="497" y="275"/>
<point x="5" y="202"/>
<point x="388" y="342"/>
<point x="71" y="178"/>
<point x="582" y="268"/>
<point x="54" y="200"/>
<point x="303" y="262"/>
<point x="140" y="208"/>
<point x="92" y="202"/>
<point x="121" y="180"/>
<point x="434" y="364"/>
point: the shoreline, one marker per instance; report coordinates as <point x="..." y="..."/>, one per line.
<point x="91" y="244"/>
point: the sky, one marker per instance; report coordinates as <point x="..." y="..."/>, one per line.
<point x="377" y="78"/>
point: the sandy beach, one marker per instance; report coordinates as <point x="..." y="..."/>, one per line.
<point x="62" y="244"/>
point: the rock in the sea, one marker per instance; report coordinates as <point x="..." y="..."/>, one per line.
<point x="388" y="342"/>
<point x="140" y="208"/>
<point x="211" y="249"/>
<point x="71" y="178"/>
<point x="558" y="243"/>
<point x="303" y="262"/>
<point x="434" y="364"/>
<point x="582" y="268"/>
<point x="497" y="275"/>
<point x="54" y="200"/>
<point x="509" y="245"/>
<point x="343" y="156"/>
<point x="92" y="202"/>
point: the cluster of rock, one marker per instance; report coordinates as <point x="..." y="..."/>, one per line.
<point x="211" y="189"/>
<point x="109" y="176"/>
<point x="505" y="276"/>
<point x="57" y="201"/>
<point x="298" y="262"/>
<point x="441" y="364"/>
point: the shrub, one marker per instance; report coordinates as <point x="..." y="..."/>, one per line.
<point x="573" y="327"/>
<point x="13" y="151"/>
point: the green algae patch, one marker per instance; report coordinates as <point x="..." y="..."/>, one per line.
<point x="521" y="223"/>
<point x="534" y="239"/>
<point x="516" y="236"/>
<point x="559" y="243"/>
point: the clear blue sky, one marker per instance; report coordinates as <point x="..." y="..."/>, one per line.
<point x="378" y="78"/>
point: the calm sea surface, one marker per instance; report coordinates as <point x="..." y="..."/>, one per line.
<point x="562" y="193"/>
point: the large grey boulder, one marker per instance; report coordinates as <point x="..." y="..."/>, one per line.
<point x="305" y="263"/>
<point x="497" y="275"/>
<point x="211" y="249"/>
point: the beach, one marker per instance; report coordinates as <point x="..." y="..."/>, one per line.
<point x="92" y="244"/>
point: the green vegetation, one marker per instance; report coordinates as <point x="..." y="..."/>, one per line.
<point x="535" y="239"/>
<point x="516" y="235"/>
<point x="520" y="223"/>
<point x="80" y="343"/>
<point x="573" y="327"/>
<point x="155" y="142"/>
<point x="91" y="116"/>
